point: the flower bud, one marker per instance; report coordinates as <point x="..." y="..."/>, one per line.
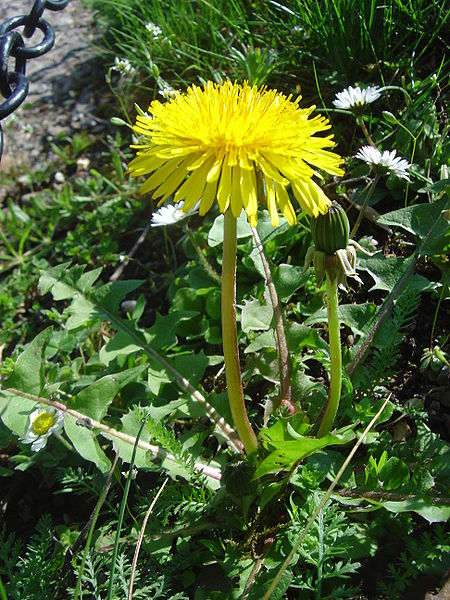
<point x="330" y="232"/>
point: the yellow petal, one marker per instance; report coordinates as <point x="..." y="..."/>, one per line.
<point x="169" y="186"/>
<point x="285" y="204"/>
<point x="248" y="190"/>
<point x="162" y="174"/>
<point x="214" y="172"/>
<point x="208" y="197"/>
<point x="224" y="189"/>
<point x="272" y="203"/>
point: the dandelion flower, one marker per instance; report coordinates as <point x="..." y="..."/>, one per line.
<point x="384" y="163"/>
<point x="237" y="144"/>
<point x="43" y="422"/>
<point x="170" y="214"/>
<point x="356" y="98"/>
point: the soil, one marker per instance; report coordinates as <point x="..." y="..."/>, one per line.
<point x="63" y="86"/>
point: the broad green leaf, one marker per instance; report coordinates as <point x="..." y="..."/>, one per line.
<point x="266" y="230"/>
<point x="287" y="280"/>
<point x="215" y="236"/>
<point x="110" y="296"/>
<point x="393" y="473"/>
<point x="192" y="366"/>
<point x="425" y="221"/>
<point x="356" y="316"/>
<point x="256" y="315"/>
<point x="120" y="345"/>
<point x="162" y="333"/>
<point x="94" y="400"/>
<point x="299" y="335"/>
<point x="430" y="511"/>
<point x="187" y="299"/>
<point x="266" y="339"/>
<point x="86" y="443"/>
<point x="28" y="369"/>
<point x="387" y="271"/>
<point x="157" y="376"/>
<point x="15" y="410"/>
<point x="288" y="452"/>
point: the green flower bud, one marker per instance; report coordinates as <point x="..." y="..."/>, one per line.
<point x="330" y="232"/>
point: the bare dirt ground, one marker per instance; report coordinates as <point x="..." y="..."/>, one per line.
<point x="63" y="85"/>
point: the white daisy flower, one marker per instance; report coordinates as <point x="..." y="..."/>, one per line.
<point x="43" y="422"/>
<point x="386" y="162"/>
<point x="355" y="98"/>
<point x="155" y="30"/>
<point x="171" y="214"/>
<point x="123" y="65"/>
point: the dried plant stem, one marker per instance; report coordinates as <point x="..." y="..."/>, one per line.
<point x="141" y="537"/>
<point x="324" y="500"/>
<point x="109" y="432"/>
<point x="335" y="356"/>
<point x="280" y="336"/>
<point x="229" y="336"/>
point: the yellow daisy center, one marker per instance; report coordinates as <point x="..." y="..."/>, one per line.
<point x="42" y="423"/>
<point x="237" y="144"/>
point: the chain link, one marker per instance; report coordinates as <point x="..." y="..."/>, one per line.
<point x="13" y="83"/>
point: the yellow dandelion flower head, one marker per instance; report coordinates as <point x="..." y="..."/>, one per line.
<point x="237" y="144"/>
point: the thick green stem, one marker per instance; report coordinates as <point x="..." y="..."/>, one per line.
<point x="336" y="357"/>
<point x="229" y="336"/>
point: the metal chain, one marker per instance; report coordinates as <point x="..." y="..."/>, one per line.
<point x="13" y="83"/>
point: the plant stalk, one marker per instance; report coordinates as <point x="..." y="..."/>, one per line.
<point x="335" y="355"/>
<point x="369" y="193"/>
<point x="283" y="354"/>
<point x="229" y="336"/>
<point x="108" y="432"/>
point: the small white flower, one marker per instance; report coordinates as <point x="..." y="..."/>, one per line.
<point x="386" y="162"/>
<point x="123" y="65"/>
<point x="167" y="92"/>
<point x="155" y="30"/>
<point x="43" y="422"/>
<point x="355" y="98"/>
<point x="171" y="214"/>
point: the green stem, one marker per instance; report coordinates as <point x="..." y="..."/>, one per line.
<point x="335" y="354"/>
<point x="369" y="193"/>
<point x="365" y="131"/>
<point x="229" y="336"/>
